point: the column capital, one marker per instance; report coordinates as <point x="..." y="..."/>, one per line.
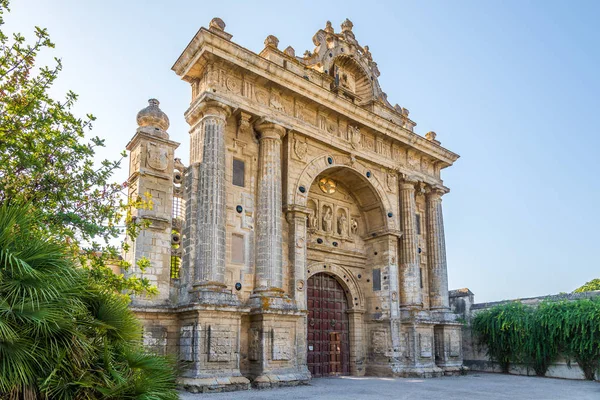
<point x="213" y="108"/>
<point x="269" y="130"/>
<point x="436" y="191"/>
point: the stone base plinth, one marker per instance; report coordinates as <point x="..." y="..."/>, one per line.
<point x="455" y="370"/>
<point x="419" y="372"/>
<point x="271" y="380"/>
<point x="214" y="385"/>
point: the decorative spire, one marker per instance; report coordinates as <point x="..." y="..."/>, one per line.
<point x="153" y="116"/>
<point x="328" y="27"/>
<point x="347" y="25"/>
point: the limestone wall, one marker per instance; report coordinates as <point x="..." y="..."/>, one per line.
<point x="475" y="358"/>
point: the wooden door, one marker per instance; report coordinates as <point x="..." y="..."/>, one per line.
<point x="328" y="328"/>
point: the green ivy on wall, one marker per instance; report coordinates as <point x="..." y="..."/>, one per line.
<point x="537" y="336"/>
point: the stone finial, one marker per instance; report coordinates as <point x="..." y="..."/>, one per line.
<point x="271" y="41"/>
<point x="328" y="27"/>
<point x="216" y="24"/>
<point x="153" y="116"/>
<point x="347" y="25"/>
<point x="290" y="51"/>
<point x="405" y="112"/>
<point x="431" y="135"/>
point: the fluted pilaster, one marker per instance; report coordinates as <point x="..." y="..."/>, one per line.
<point x="410" y="293"/>
<point x="269" y="267"/>
<point x="436" y="250"/>
<point x="210" y="250"/>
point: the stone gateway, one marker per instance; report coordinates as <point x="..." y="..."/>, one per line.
<point x="306" y="237"/>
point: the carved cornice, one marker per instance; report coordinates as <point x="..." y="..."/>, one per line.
<point x="189" y="66"/>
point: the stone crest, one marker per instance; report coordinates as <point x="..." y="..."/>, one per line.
<point x="354" y="136"/>
<point x="300" y="148"/>
<point x="158" y="157"/>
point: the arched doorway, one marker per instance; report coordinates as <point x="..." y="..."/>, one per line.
<point x="328" y="327"/>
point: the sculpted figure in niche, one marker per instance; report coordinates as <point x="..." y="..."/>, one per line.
<point x="314" y="221"/>
<point x="353" y="226"/>
<point x="327" y="220"/>
<point x="342" y="225"/>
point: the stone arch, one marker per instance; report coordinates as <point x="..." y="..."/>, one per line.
<point x="344" y="278"/>
<point x="325" y="162"/>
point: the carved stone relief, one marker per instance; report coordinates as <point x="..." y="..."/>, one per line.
<point x="220" y="341"/>
<point x="379" y="341"/>
<point x="300" y="148"/>
<point x="281" y="347"/>
<point x="354" y="136"/>
<point x="158" y="157"/>
<point x="425" y="345"/>
<point x="254" y="344"/>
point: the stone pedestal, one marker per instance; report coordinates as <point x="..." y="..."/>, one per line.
<point x="276" y="343"/>
<point x="209" y="349"/>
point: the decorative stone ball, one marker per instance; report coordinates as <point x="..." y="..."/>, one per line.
<point x="153" y="116"/>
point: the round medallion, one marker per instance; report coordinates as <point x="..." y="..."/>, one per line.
<point x="239" y="209"/>
<point x="238" y="286"/>
<point x="302" y="189"/>
<point x="327" y="185"/>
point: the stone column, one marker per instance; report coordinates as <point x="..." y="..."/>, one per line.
<point x="296" y="218"/>
<point x="269" y="268"/>
<point x="436" y="249"/>
<point x="410" y="291"/>
<point x="209" y="271"/>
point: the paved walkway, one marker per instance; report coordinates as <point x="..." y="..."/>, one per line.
<point x="474" y="386"/>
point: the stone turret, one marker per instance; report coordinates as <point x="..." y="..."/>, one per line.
<point x="151" y="169"/>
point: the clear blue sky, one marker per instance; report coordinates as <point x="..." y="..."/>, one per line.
<point x="511" y="86"/>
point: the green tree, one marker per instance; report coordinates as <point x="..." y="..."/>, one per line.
<point x="62" y="335"/>
<point x="594" y="284"/>
<point x="46" y="161"/>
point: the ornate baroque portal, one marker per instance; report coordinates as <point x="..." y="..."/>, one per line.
<point x="305" y="237"/>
